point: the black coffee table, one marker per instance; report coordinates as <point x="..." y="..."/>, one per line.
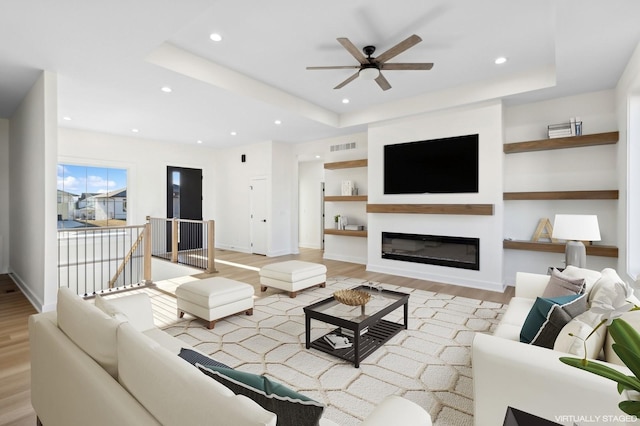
<point x="378" y="330"/>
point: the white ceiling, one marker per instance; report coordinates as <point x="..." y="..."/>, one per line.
<point x="112" y="58"/>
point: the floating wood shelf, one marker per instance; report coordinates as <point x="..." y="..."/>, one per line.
<point x="346" y="164"/>
<point x="563" y="195"/>
<point x="592" y="250"/>
<point x="345" y="198"/>
<point x="345" y="232"/>
<point x="464" y="209"/>
<point x="560" y="143"/>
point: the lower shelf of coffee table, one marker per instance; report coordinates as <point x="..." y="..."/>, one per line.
<point x="377" y="336"/>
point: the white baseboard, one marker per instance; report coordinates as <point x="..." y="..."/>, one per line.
<point x="350" y="259"/>
<point x="29" y="294"/>
<point x="476" y="284"/>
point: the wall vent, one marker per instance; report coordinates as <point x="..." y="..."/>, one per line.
<point x="343" y="146"/>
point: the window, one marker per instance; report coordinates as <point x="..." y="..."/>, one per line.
<point x="91" y="196"/>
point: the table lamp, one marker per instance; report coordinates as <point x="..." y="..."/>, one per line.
<point x="576" y="228"/>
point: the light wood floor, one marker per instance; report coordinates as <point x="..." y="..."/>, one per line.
<point x="15" y="405"/>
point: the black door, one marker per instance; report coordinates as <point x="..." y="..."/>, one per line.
<point x="184" y="201"/>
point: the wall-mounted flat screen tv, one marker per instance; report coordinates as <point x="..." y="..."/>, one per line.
<point x="439" y="166"/>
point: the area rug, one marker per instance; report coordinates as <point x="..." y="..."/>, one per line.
<point x="430" y="363"/>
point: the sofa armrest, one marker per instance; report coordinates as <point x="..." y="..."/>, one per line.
<point x="136" y="308"/>
<point x="395" y="410"/>
<point x="532" y="379"/>
<point x="530" y="285"/>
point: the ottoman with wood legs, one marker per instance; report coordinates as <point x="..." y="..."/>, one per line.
<point x="292" y="276"/>
<point x="214" y="298"/>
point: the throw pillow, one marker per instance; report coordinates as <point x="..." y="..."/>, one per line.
<point x="109" y="309"/>
<point x="563" y="285"/>
<point x="292" y="408"/>
<point x="548" y="316"/>
<point x="572" y="336"/>
<point x="193" y="357"/>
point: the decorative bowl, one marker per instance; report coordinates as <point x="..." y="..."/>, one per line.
<point x="352" y="297"/>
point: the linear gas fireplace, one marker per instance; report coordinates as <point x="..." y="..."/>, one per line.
<point x="455" y="252"/>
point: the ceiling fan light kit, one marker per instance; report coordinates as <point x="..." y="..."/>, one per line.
<point x="370" y="67"/>
<point x="370" y="73"/>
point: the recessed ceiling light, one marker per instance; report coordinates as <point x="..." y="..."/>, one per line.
<point x="317" y="156"/>
<point x="66" y="118"/>
<point x="199" y="142"/>
<point x="215" y="37"/>
<point x="233" y="133"/>
<point x="135" y="130"/>
<point x="278" y="122"/>
<point x="166" y="89"/>
<point x="345" y="101"/>
<point x="500" y="60"/>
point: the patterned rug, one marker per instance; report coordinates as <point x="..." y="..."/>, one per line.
<point x="429" y="363"/>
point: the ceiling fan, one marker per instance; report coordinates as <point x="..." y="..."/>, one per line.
<point x="370" y="68"/>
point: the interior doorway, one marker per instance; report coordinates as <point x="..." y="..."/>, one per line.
<point x="184" y="201"/>
<point x="258" y="208"/>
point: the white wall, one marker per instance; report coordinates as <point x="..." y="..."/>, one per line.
<point x="146" y="163"/>
<point x="587" y="168"/>
<point x="485" y="120"/>
<point x="32" y="193"/>
<point x="232" y="177"/>
<point x="284" y="195"/>
<point x="4" y="195"/>
<point x="311" y="176"/>
<point x="628" y="119"/>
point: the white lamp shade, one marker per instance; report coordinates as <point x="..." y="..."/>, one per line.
<point x="576" y="227"/>
<point x="369" y="73"/>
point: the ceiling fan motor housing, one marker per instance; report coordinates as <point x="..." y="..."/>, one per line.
<point x="368" y="50"/>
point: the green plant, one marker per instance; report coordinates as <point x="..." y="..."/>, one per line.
<point x="626" y="346"/>
<point x="336" y="218"/>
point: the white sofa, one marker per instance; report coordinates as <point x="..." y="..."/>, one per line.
<point x="531" y="378"/>
<point x="93" y="367"/>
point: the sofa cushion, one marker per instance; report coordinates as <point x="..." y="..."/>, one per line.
<point x="134" y="308"/>
<point x="633" y="318"/>
<point x="89" y="328"/>
<point x="548" y="316"/>
<point x="292" y="408"/>
<point x="174" y="392"/>
<point x="563" y="285"/>
<point x="512" y="320"/>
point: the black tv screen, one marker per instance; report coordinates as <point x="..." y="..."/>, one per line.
<point x="439" y="166"/>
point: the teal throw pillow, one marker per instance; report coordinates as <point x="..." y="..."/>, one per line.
<point x="291" y="407"/>
<point x="548" y="316"/>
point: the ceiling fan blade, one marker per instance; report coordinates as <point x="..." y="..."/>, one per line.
<point x="407" y="66"/>
<point x="399" y="48"/>
<point x="339" y="67"/>
<point x="347" y="81"/>
<point x="351" y="48"/>
<point x="382" y="82"/>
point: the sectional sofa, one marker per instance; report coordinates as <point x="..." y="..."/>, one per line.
<point x="530" y="378"/>
<point x="109" y="365"/>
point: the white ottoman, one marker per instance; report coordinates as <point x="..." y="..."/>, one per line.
<point x="292" y="276"/>
<point x="214" y="298"/>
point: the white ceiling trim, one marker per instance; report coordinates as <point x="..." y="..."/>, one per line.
<point x="458" y="96"/>
<point x="178" y="60"/>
